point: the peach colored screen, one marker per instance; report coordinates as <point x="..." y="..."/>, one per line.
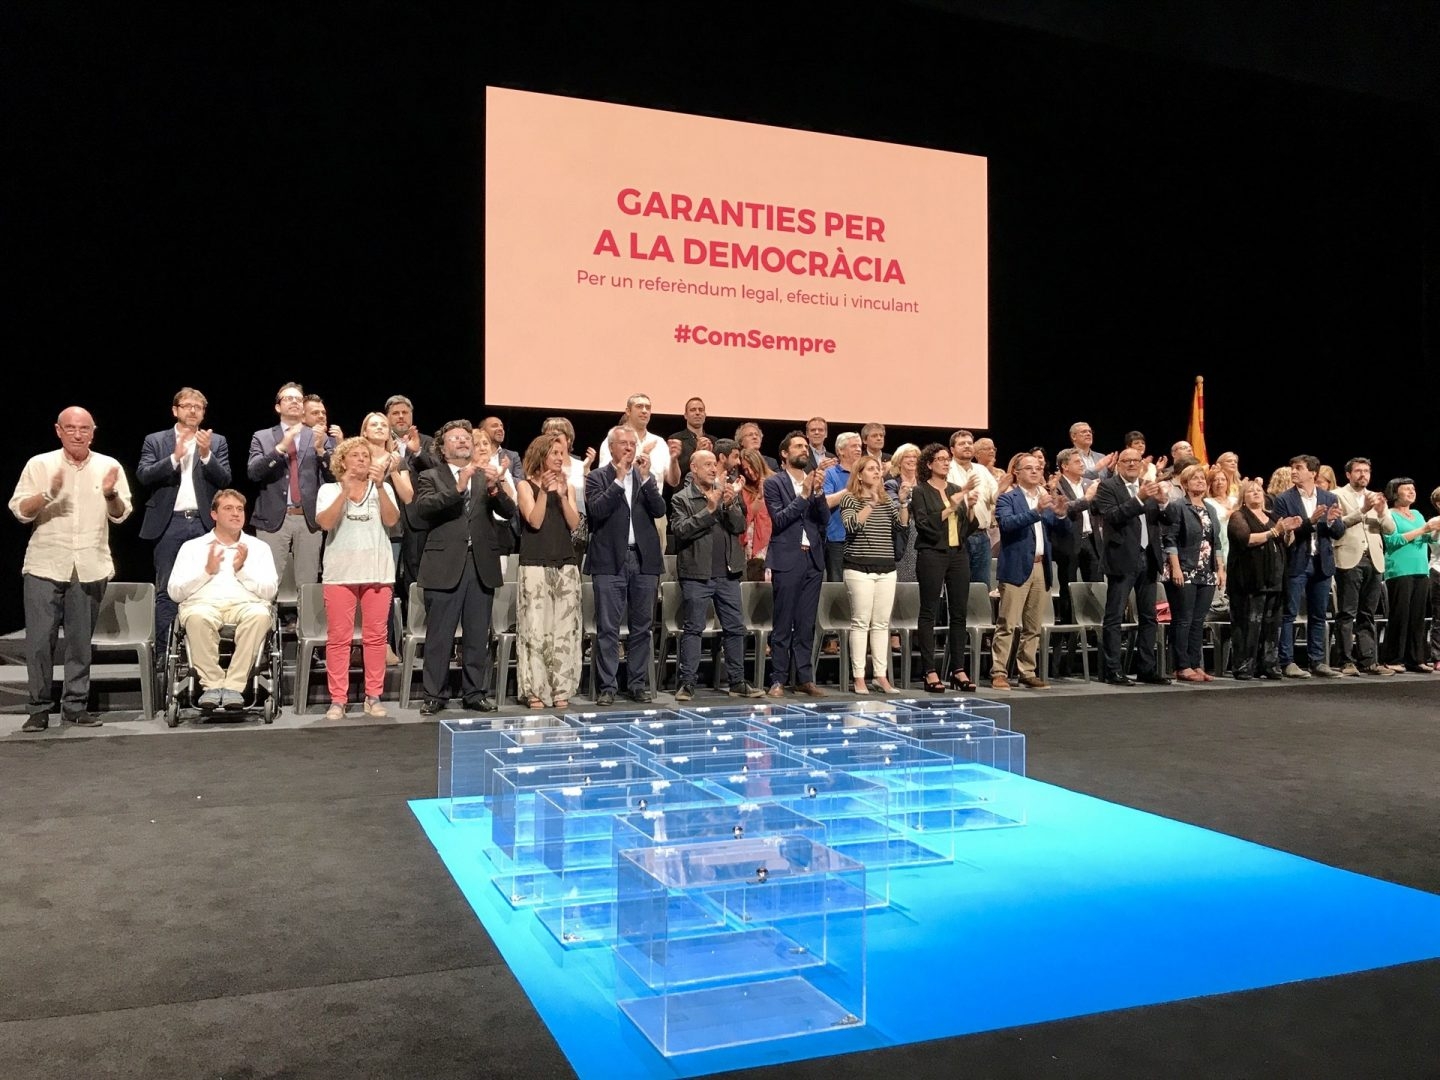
<point x="778" y="274"/>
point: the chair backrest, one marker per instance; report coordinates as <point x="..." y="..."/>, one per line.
<point x="672" y="613"/>
<point x="511" y="568"/>
<point x="311" y="623"/>
<point x="671" y="571"/>
<point x="1087" y="602"/>
<point x="126" y="615"/>
<point x="503" y="609"/>
<point x="287" y="593"/>
<point x="905" y="615"/>
<point x="587" y="608"/>
<point x="1047" y="610"/>
<point x="834" y="611"/>
<point x="415" y="613"/>
<point x="977" y="606"/>
<point x="757" y="605"/>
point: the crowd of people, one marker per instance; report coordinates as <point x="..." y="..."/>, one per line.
<point x="390" y="506"/>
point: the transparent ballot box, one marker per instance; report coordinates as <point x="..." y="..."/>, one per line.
<point x="858" y="713"/>
<point x="462" y="777"/>
<point x="995" y="712"/>
<point x="619" y="716"/>
<point x="715" y="761"/>
<point x="700" y="741"/>
<point x="574" y="884"/>
<point x="513" y="850"/>
<point x="854" y="811"/>
<point x="988" y="762"/>
<point x="757" y="711"/>
<point x="783" y="961"/>
<point x="565" y="732"/>
<point x="692" y="725"/>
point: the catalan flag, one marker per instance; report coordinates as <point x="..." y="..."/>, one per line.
<point x="1196" y="435"/>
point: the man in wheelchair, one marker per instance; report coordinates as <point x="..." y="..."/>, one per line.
<point x="224" y="578"/>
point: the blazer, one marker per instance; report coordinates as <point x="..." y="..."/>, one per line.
<point x="793" y="516"/>
<point x="157" y="471"/>
<point x="1288" y="504"/>
<point x="609" y="523"/>
<point x="1182" y="536"/>
<point x="271" y="470"/>
<point x="1068" y="543"/>
<point x="1121" y="513"/>
<point x="452" y="535"/>
<point x="926" y="506"/>
<point x="1374" y="526"/>
<point x="1017" y="537"/>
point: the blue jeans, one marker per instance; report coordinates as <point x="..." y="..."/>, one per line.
<point x="1315" y="588"/>
<point x="978" y="545"/>
<point x="696" y="597"/>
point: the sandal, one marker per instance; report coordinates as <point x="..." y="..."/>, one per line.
<point x="562" y="703"/>
<point x="374" y="708"/>
<point x="534" y="704"/>
<point x="336" y="711"/>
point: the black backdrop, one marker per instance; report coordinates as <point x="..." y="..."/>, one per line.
<point x="230" y="196"/>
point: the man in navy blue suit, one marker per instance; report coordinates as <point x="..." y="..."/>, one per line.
<point x="795" y="498"/>
<point x="1029" y="515"/>
<point x="183" y="466"/>
<point x="1310" y="565"/>
<point x="624" y="560"/>
<point x="289" y="462"/>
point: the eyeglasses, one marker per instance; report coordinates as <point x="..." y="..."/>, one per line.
<point x="191" y="405"/>
<point x="291" y="398"/>
<point x="75" y="429"/>
<point x="1129" y="461"/>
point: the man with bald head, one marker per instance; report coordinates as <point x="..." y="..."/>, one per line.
<point x="69" y="497"/>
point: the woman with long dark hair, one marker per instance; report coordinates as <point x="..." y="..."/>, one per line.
<point x="944" y="516"/>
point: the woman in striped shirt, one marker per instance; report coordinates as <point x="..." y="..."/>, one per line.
<point x="870" y="517"/>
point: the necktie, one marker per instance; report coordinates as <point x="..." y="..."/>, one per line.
<point x="294" y="475"/>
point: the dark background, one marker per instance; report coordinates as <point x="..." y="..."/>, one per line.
<point x="232" y="195"/>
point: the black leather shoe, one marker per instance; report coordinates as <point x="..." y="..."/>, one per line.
<point x="1118" y="680"/>
<point x="36" y="722"/>
<point x="642" y="697"/>
<point x="81" y="719"/>
<point x="431" y="706"/>
<point x="605" y="697"/>
<point x="1154" y="678"/>
<point x="482" y="704"/>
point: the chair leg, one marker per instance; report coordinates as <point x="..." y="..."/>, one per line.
<point x="761" y="638"/>
<point x="504" y="647"/>
<point x="1045" y="653"/>
<point x="407" y="670"/>
<point x="904" y="671"/>
<point x="146" y="653"/>
<point x="303" y="657"/>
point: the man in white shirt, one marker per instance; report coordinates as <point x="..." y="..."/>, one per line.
<point x="224" y="578"/>
<point x="183" y="466"/>
<point x="70" y="497"/>
<point x="963" y="464"/>
<point x="656" y="450"/>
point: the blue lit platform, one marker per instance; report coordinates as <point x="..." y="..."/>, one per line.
<point x="1090" y="907"/>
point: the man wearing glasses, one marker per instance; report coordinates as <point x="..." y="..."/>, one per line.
<point x="288" y="461"/>
<point x="1134" y="512"/>
<point x="183" y="466"/>
<point x="69" y="497"/>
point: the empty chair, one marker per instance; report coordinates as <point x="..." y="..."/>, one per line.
<point x="904" y="621"/>
<point x="1049" y="626"/>
<point x="979" y="621"/>
<point x="126" y="623"/>
<point x="757" y="608"/>
<point x="833" y="616"/>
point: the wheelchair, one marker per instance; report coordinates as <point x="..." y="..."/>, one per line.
<point x="181" y="684"/>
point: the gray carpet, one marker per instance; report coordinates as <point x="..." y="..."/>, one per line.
<point x="267" y="907"/>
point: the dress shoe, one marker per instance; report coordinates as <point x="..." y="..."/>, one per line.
<point x="482" y="703"/>
<point x="1375" y="669"/>
<point x="605" y="697"/>
<point x="1272" y="673"/>
<point x="1034" y="682"/>
<point x="745" y="690"/>
<point x="776" y="691"/>
<point x="643" y="696"/>
<point x="431" y="707"/>
<point x="36" y="722"/>
<point x="999" y="682"/>
<point x="1325" y="671"/>
<point x="1117" y="679"/>
<point x="1153" y="678"/>
<point x="82" y="719"/>
<point x="811" y="690"/>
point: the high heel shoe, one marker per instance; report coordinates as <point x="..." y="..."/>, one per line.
<point x="936" y="687"/>
<point x="958" y="681"/>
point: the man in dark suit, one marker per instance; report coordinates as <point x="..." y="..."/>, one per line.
<point x="1310" y="564"/>
<point x="1133" y="513"/>
<point x="799" y="515"/>
<point x="183" y="466"/>
<point x="415" y="450"/>
<point x="622" y="504"/>
<point x="460" y="570"/>
<point x="289" y="462"/>
<point x="1076" y="551"/>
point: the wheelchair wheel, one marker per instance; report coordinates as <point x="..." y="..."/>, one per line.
<point x="270" y="708"/>
<point x="172" y="712"/>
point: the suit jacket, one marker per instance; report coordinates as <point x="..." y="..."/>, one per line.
<point x="1068" y="544"/>
<point x="418" y="463"/>
<point x="1364" y="530"/>
<point x="792" y="516"/>
<point x="157" y="471"/>
<point x="1288" y="504"/>
<point x="1121" y="513"/>
<point x="609" y="517"/>
<point x="1183" y="535"/>
<point x="271" y="470"/>
<point x="452" y="535"/>
<point x="1017" y="537"/>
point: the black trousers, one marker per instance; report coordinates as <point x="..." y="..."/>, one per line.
<point x="1255" y="619"/>
<point x="1117" y="592"/>
<point x="468" y="606"/>
<point x="950" y="568"/>
<point x="1405" y="632"/>
<point x="1357" y="600"/>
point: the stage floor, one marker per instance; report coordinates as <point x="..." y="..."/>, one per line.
<point x="271" y="906"/>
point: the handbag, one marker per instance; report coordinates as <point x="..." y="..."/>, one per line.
<point x="580" y="537"/>
<point x="1162" y="611"/>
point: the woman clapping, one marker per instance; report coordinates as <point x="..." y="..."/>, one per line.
<point x="870" y="517"/>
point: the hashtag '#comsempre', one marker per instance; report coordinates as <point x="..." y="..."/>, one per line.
<point x="682" y="333"/>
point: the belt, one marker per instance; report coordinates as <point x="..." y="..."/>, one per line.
<point x="294" y="510"/>
<point x="187" y="513"/>
<point x="1039" y="558"/>
<point x="634" y="547"/>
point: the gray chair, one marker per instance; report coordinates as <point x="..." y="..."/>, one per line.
<point x="1049" y="626"/>
<point x="757" y="608"/>
<point x="905" y="621"/>
<point x="126" y="623"/>
<point x="979" y="621"/>
<point x="671" y="570"/>
<point x="833" y="617"/>
<point x="510" y="567"/>
<point x="502" y="632"/>
<point x="1087" y="606"/>
<point x="311" y="633"/>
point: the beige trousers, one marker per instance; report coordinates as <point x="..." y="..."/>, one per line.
<point x="202" y="622"/>
<point x="1020" y="607"/>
